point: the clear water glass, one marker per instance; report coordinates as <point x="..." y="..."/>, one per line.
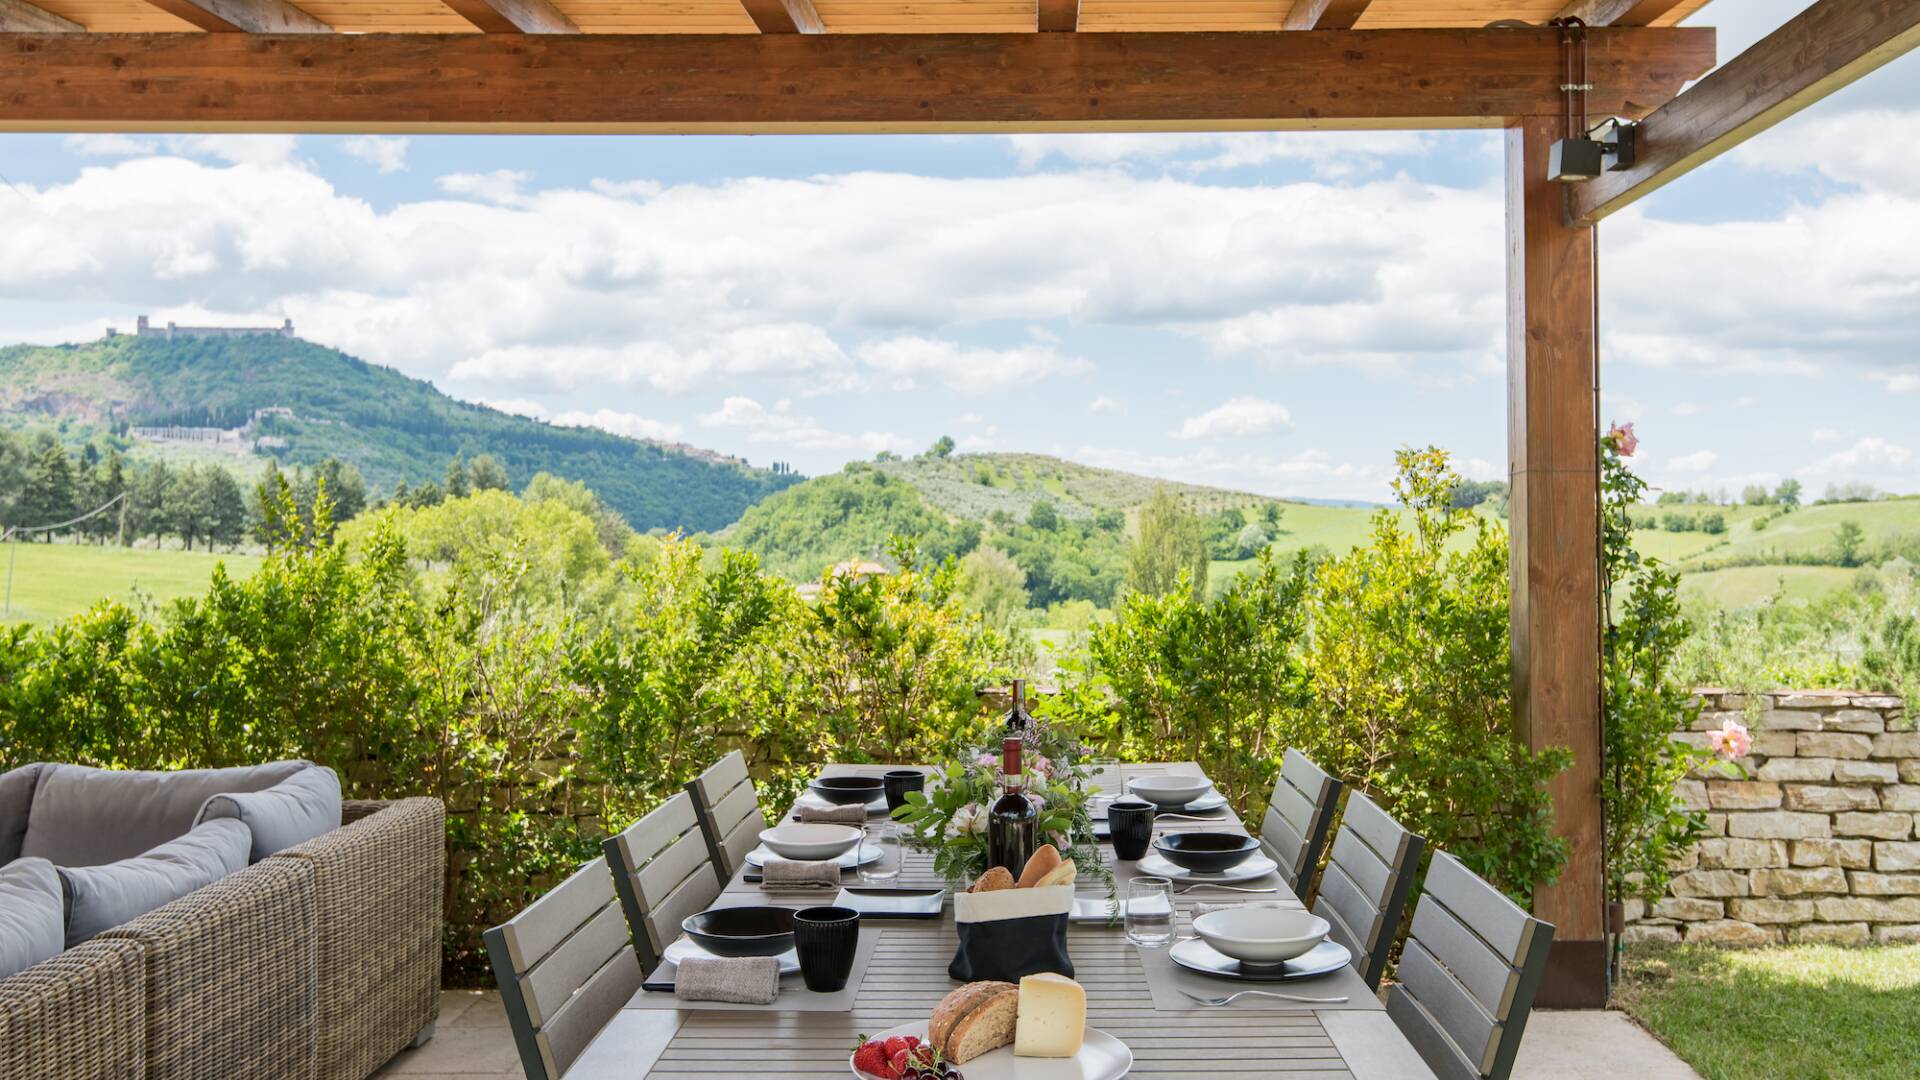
<point x="1107" y="781"/>
<point x="885" y="869"/>
<point x="1149" y="912"/>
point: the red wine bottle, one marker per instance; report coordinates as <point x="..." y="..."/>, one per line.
<point x="1012" y="821"/>
<point x="1019" y="721"/>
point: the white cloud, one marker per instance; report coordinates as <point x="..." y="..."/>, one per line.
<point x="1482" y="469"/>
<point x="781" y="425"/>
<point x="1106" y="403"/>
<point x="1825" y="435"/>
<point x="516" y="406"/>
<point x="970" y="419"/>
<point x="772" y="349"/>
<point x="1327" y="154"/>
<point x="1686" y="408"/>
<point x="1697" y="462"/>
<point x="236" y="149"/>
<point x="1900" y="382"/>
<point x="501" y="186"/>
<point x="1865" y="147"/>
<point x="620" y="423"/>
<point x="1867" y="455"/>
<point x="908" y="361"/>
<point x="625" y="189"/>
<point x="1239" y="417"/>
<point x="1313" y="473"/>
<point x="108" y="145"/>
<point x="386" y="154"/>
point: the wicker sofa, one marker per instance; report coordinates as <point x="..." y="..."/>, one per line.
<point x="319" y="962"/>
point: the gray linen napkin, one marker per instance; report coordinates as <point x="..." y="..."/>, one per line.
<point x="789" y="873"/>
<point x="839" y="815"/>
<point x="1207" y="909"/>
<point x="743" y="980"/>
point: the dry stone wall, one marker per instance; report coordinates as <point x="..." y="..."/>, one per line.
<point x="1816" y="844"/>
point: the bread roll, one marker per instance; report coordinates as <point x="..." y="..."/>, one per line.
<point x="1039" y="865"/>
<point x="993" y="880"/>
<point x="1060" y="875"/>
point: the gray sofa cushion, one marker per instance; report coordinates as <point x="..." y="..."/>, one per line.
<point x="32" y="911"/>
<point x="99" y="897"/>
<point x="16" y="797"/>
<point x="293" y="811"/>
<point x="86" y="817"/>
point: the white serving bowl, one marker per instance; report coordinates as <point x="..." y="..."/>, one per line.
<point x="1261" y="935"/>
<point x="1169" y="791"/>
<point x="812" y="841"/>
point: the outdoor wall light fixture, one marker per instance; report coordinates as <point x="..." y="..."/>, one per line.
<point x="1583" y="154"/>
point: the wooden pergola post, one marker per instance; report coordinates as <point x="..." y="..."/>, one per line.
<point x="1552" y="447"/>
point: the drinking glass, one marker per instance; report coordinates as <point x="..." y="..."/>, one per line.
<point x="1107" y="781"/>
<point x="886" y="868"/>
<point x="1149" y="912"/>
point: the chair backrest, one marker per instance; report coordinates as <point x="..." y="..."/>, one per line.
<point x="729" y="811"/>
<point x="1364" y="890"/>
<point x="1299" y="815"/>
<point x="663" y="872"/>
<point x="565" y="969"/>
<point x="1472" y="963"/>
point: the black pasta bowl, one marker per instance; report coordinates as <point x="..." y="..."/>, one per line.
<point x="742" y="931"/>
<point x="1206" y="852"/>
<point x="847" y="790"/>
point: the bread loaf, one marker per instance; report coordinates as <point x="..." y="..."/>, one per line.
<point x="1041" y="863"/>
<point x="975" y="1019"/>
<point x="1062" y="874"/>
<point x="995" y="879"/>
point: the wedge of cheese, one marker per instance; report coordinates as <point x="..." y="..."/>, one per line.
<point x="1052" y="1018"/>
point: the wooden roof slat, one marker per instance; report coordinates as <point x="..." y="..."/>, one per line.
<point x="21" y="17"/>
<point x="1820" y="50"/>
<point x="1618" y="12"/>
<point x="244" y="16"/>
<point x="852" y="82"/>
<point x="1325" y="14"/>
<point x="1057" y="16"/>
<point x="514" y="16"/>
<point x="785" y="16"/>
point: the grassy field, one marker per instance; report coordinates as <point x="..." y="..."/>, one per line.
<point x="53" y="581"/>
<point x="1801" y="1012"/>
<point x="1740" y="586"/>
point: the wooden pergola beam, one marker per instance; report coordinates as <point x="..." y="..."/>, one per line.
<point x="1325" y="14"/>
<point x="1057" y="16"/>
<point x="429" y="83"/>
<point x="18" y="16"/>
<point x="244" y="16"/>
<point x="1616" y="12"/>
<point x="784" y="16"/>
<point x="1818" y="51"/>
<point x="514" y="16"/>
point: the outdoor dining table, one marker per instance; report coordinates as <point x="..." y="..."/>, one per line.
<point x="1171" y="1038"/>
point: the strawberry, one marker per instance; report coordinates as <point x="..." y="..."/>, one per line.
<point x="899" y="1062"/>
<point x="897" y="1043"/>
<point x="872" y="1058"/>
<point x="912" y="1040"/>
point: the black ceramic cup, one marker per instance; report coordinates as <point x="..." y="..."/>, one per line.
<point x="826" y="938"/>
<point x="1130" y="821"/>
<point x="900" y="781"/>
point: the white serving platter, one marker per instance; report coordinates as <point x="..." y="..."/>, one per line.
<point x="1101" y="1057"/>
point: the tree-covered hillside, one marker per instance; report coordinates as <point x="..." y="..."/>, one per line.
<point x="392" y="427"/>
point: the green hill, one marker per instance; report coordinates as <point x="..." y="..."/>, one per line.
<point x="972" y="487"/>
<point x="392" y="427"/>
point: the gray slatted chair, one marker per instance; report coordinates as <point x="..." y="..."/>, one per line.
<point x="565" y="969"/>
<point x="1364" y="890"/>
<point x="729" y="812"/>
<point x="663" y="872"/>
<point x="1472" y="963"/>
<point x="1299" y="816"/>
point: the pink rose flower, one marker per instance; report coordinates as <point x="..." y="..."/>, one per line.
<point x="1041" y="765"/>
<point x="1731" y="741"/>
<point x="1623" y="439"/>
<point x="989" y="761"/>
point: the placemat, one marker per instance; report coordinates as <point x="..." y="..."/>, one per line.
<point x="1166" y="979"/>
<point x="794" y="995"/>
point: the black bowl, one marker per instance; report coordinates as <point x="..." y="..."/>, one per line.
<point x="742" y="931"/>
<point x="847" y="790"/>
<point x="1206" y="852"/>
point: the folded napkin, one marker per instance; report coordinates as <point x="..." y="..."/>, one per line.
<point x="743" y="980"/>
<point x="787" y="873"/>
<point x="838" y="815"/>
<point x="1207" y="909"/>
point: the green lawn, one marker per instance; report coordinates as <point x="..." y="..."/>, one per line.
<point x="1739" y="586"/>
<point x="1800" y="1012"/>
<point x="53" y="581"/>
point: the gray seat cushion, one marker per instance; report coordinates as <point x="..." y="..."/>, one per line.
<point x="99" y="897"/>
<point x="32" y="913"/>
<point x="86" y="817"/>
<point x="16" y="798"/>
<point x="293" y="811"/>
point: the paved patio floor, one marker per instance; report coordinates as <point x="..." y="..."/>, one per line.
<point x="472" y="1043"/>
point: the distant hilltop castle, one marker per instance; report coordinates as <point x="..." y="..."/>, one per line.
<point x="142" y="328"/>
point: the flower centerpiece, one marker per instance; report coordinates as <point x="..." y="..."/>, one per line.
<point x="950" y="818"/>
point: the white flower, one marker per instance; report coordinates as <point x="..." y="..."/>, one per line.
<point x="968" y="819"/>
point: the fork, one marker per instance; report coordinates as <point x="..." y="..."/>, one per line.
<point x="1231" y="998"/>
<point x="1191" y="817"/>
<point x="1229" y="888"/>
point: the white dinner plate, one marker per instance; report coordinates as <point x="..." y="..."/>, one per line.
<point x="859" y="855"/>
<point x="1324" y="958"/>
<point x="808" y="798"/>
<point x="1101" y="1057"/>
<point x="685" y="947"/>
<point x="1207" y="803"/>
<point x="1157" y="865"/>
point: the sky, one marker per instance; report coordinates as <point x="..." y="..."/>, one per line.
<point x="1269" y="312"/>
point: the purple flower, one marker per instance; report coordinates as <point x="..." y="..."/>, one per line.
<point x="1623" y="439"/>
